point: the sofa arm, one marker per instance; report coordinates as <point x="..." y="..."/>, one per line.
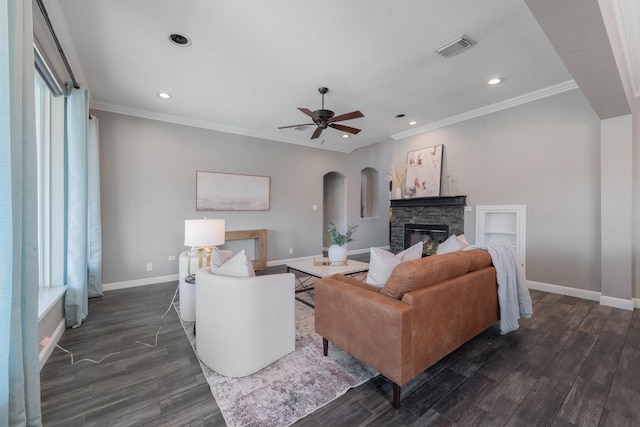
<point x="373" y="328"/>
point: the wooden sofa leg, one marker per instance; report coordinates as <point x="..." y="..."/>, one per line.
<point x="396" y="396"/>
<point x="325" y="346"/>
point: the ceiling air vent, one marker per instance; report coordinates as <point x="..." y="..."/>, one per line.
<point x="455" y="46"/>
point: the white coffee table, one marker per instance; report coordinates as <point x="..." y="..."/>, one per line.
<point x="349" y="268"/>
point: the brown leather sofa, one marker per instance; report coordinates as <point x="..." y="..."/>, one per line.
<point x="428" y="308"/>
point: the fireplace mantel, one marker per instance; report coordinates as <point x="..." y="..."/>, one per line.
<point x="429" y="201"/>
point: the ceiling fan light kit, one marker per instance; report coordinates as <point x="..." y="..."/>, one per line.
<point x="323" y="119"/>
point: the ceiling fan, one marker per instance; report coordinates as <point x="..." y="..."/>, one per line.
<point x="327" y="118"/>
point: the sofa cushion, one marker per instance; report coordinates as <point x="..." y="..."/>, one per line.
<point x="424" y="272"/>
<point x="238" y="265"/>
<point x="382" y="263"/>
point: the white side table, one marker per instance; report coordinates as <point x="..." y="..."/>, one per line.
<point x="187" y="291"/>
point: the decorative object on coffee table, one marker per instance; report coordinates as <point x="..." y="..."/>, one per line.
<point x="338" y="249"/>
<point x="307" y="270"/>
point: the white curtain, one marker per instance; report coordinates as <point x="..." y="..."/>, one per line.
<point x="84" y="230"/>
<point x="94" y="255"/>
<point x="19" y="367"/>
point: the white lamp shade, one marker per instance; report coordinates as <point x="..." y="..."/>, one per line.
<point x="203" y="232"/>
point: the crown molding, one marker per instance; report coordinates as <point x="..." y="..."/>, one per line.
<point x="502" y="105"/>
<point x="112" y="108"/>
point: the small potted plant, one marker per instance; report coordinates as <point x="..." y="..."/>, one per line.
<point x="338" y="248"/>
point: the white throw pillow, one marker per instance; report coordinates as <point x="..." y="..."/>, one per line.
<point x="218" y="257"/>
<point x="463" y="241"/>
<point x="238" y="265"/>
<point x="452" y="244"/>
<point x="382" y="263"/>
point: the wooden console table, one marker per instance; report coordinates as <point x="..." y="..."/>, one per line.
<point x="261" y="244"/>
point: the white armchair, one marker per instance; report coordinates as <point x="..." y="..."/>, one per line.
<point x="244" y="323"/>
<point x="187" y="291"/>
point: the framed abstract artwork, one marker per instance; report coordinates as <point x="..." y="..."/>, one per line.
<point x="231" y="192"/>
<point x="424" y="168"/>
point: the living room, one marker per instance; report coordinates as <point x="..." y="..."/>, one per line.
<point x="550" y="149"/>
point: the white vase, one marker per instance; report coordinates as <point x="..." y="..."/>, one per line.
<point x="337" y="253"/>
<point x="398" y="193"/>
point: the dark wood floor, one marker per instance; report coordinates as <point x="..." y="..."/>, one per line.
<point x="575" y="363"/>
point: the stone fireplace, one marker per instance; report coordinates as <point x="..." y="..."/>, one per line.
<point x="430" y="219"/>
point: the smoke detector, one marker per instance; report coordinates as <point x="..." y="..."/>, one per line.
<point x="455" y="46"/>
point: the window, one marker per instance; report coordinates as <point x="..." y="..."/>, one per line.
<point x="49" y="116"/>
<point x="368" y="192"/>
<point x="43" y="115"/>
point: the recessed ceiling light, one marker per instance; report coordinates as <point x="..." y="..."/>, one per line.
<point x="399" y="116"/>
<point x="180" y="40"/>
<point x="164" y="95"/>
<point x="412" y="123"/>
<point x="495" y="81"/>
<point x="345" y="136"/>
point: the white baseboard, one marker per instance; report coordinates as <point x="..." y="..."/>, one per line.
<point x="174" y="277"/>
<point x="624" y="304"/>
<point x="139" y="282"/>
<point x="564" y="290"/>
<point x="540" y="286"/>
<point x="46" y="350"/>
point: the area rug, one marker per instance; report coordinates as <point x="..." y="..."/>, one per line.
<point x="292" y="387"/>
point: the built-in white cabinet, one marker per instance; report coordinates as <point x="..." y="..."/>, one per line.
<point x="503" y="222"/>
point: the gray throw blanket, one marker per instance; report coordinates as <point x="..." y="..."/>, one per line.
<point x="513" y="293"/>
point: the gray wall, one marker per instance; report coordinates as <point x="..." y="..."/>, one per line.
<point x="148" y="173"/>
<point x="544" y="154"/>
<point x="616" y="207"/>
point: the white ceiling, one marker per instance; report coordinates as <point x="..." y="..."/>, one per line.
<point x="253" y="62"/>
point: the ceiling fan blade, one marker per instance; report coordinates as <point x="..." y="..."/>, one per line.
<point x="309" y="113"/>
<point x="347" y="116"/>
<point x="295" y="126"/>
<point x="344" y="128"/>
<point x="316" y="133"/>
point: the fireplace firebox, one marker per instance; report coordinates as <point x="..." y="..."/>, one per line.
<point x="449" y="210"/>
<point x="430" y="234"/>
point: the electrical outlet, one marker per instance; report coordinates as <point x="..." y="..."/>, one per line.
<point x="172" y="257"/>
<point x="149" y="267"/>
<point x="290" y="250"/>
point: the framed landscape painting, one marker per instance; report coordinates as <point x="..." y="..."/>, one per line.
<point x="230" y="192"/>
<point x="424" y="168"/>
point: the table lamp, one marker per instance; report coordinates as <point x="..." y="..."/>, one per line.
<point x="201" y="235"/>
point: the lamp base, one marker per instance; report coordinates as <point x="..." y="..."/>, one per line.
<point x="204" y="254"/>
